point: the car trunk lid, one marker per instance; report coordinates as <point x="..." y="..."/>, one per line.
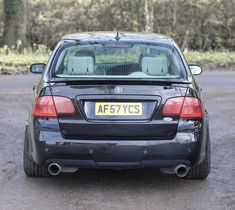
<point x="88" y="123"/>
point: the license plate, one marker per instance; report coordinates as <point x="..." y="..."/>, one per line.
<point x="118" y="109"/>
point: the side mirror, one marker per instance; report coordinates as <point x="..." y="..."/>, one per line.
<point x="195" y="69"/>
<point x="37" y="68"/>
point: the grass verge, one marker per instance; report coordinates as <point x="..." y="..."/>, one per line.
<point x="14" y="63"/>
<point x="212" y="60"/>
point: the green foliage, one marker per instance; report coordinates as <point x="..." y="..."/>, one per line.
<point x="195" y="25"/>
<point x="14" y="61"/>
<point x="215" y="59"/>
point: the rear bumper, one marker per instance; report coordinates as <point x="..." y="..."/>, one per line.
<point x="185" y="148"/>
<point x="119" y="165"/>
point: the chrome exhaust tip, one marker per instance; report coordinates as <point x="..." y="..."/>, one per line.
<point x="181" y="170"/>
<point x="54" y="169"/>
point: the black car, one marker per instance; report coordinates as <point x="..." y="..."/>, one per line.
<point x="117" y="101"/>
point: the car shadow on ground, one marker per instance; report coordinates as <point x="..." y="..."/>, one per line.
<point x="125" y="180"/>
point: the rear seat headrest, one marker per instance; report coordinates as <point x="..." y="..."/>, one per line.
<point x="155" y="66"/>
<point x="80" y="65"/>
<point x="85" y="53"/>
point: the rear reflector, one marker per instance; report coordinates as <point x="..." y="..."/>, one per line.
<point x="50" y="106"/>
<point x="185" y="107"/>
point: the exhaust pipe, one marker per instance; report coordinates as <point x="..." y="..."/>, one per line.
<point x="54" y="169"/>
<point x="181" y="170"/>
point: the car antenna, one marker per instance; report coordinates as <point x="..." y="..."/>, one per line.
<point x="117" y="36"/>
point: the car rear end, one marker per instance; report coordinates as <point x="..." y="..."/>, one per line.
<point x="133" y="112"/>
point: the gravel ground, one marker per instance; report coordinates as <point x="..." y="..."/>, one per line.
<point x="107" y="189"/>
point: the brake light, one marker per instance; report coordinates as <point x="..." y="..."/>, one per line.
<point x="50" y="106"/>
<point x="192" y="108"/>
<point x="173" y="106"/>
<point x="63" y="105"/>
<point x="185" y="107"/>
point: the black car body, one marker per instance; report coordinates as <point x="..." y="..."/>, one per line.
<point x="117" y="100"/>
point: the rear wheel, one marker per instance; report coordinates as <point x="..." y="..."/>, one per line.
<point x="202" y="170"/>
<point x="30" y="168"/>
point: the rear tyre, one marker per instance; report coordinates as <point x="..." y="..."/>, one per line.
<point x="202" y="170"/>
<point x="32" y="169"/>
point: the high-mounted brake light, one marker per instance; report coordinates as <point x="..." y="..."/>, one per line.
<point x="185" y="107"/>
<point x="50" y="106"/>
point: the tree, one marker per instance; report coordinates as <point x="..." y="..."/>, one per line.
<point x="195" y="25"/>
<point x="15" y="21"/>
<point x="146" y="16"/>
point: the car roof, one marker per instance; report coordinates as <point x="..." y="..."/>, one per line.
<point x="122" y="36"/>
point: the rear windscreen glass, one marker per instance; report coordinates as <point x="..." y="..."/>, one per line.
<point x="118" y="61"/>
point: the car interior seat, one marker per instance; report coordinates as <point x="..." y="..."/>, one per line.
<point x="155" y="66"/>
<point x="82" y="63"/>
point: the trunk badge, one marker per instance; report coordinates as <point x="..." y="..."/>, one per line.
<point x="118" y="89"/>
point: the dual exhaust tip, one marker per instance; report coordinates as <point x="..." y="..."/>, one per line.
<point x="180" y="170"/>
<point x="54" y="169"/>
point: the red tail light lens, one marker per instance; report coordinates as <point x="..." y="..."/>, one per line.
<point x="185" y="107"/>
<point x="50" y="106"/>
<point x="173" y="106"/>
<point x="63" y="105"/>
<point x="44" y="107"/>
<point x="192" y="108"/>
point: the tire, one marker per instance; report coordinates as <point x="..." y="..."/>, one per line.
<point x="202" y="170"/>
<point x="32" y="169"/>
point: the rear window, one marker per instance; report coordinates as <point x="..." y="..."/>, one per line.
<point x="118" y="60"/>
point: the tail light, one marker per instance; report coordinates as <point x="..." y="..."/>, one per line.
<point x="50" y="106"/>
<point x="185" y="107"/>
<point x="192" y="108"/>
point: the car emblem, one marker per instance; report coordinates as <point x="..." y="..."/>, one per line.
<point x="118" y="89"/>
